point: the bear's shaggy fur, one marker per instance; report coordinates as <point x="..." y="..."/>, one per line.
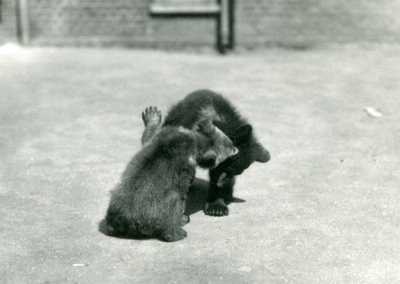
<point x="208" y="104"/>
<point x="149" y="201"/>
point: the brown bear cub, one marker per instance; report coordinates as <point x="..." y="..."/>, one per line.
<point x="149" y="201"/>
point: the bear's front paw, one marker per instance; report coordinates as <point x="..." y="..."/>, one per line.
<point x="217" y="208"/>
<point x="185" y="219"/>
<point x="151" y="116"/>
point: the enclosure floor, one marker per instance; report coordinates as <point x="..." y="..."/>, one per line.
<point x="325" y="209"/>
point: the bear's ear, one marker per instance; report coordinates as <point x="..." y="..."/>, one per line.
<point x="243" y="134"/>
<point x="208" y="160"/>
<point x="205" y="126"/>
<point x="261" y="154"/>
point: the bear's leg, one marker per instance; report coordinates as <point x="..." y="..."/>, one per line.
<point x="152" y="121"/>
<point x="174" y="220"/>
<point x="221" y="191"/>
<point x="185" y="218"/>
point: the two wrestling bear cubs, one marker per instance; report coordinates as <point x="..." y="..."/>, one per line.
<point x="202" y="130"/>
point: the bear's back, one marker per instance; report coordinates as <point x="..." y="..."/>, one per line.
<point x="205" y="104"/>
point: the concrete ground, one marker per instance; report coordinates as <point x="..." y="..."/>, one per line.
<point x="325" y="209"/>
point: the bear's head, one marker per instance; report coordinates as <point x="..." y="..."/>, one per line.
<point x="213" y="146"/>
<point x="250" y="150"/>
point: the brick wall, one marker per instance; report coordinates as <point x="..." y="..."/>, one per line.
<point x="8" y="22"/>
<point x="299" y="23"/>
<point x="125" y="22"/>
<point x="309" y="22"/>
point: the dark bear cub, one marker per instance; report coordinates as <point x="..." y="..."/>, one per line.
<point x="208" y="104"/>
<point x="149" y="201"/>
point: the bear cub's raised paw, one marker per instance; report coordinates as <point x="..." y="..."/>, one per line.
<point x="151" y="116"/>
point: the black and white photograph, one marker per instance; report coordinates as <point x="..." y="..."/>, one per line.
<point x="200" y="141"/>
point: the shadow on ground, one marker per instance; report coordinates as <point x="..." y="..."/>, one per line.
<point x="197" y="197"/>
